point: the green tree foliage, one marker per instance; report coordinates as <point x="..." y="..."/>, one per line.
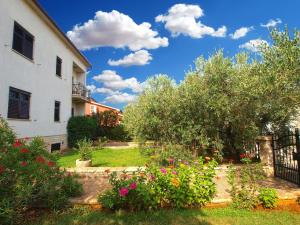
<point x="223" y="103"/>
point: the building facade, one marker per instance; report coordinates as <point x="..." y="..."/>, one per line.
<point x="42" y="76"/>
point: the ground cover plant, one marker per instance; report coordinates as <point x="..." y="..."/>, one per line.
<point x="30" y="178"/>
<point x="187" y="185"/>
<point x="107" y="157"/>
<point x="204" y="216"/>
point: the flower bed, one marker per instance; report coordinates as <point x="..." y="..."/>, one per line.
<point x="187" y="185"/>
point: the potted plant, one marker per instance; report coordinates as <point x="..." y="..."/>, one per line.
<point x="85" y="152"/>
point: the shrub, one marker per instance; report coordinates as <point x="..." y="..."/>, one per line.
<point x="79" y="128"/>
<point x="29" y="177"/>
<point x="182" y="186"/>
<point x="268" y="197"/>
<point x="118" y="133"/>
<point x="244" y="185"/>
<point x="85" y="149"/>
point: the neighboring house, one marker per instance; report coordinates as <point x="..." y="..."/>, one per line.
<point x="42" y="76"/>
<point x="93" y="107"/>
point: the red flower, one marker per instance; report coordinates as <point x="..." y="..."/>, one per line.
<point x="24" y="163"/>
<point x="17" y="144"/>
<point x="51" y="164"/>
<point x="123" y="192"/>
<point x="243" y="155"/>
<point x="24" y="150"/>
<point x="2" y="168"/>
<point x="40" y="159"/>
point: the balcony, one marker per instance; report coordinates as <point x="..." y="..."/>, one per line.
<point x="80" y="93"/>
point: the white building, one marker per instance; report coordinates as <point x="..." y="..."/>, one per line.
<point x="42" y="74"/>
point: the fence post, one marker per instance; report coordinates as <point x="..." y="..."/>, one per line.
<point x="266" y="153"/>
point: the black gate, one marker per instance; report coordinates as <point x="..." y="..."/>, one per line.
<point x="286" y="156"/>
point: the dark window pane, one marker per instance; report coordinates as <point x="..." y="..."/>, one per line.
<point x="18" y="104"/>
<point x="55" y="147"/>
<point x="58" y="66"/>
<point x="57" y="111"/>
<point x="23" y="41"/>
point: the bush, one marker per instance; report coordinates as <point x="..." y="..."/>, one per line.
<point x="182" y="186"/>
<point x="268" y="197"/>
<point x="79" y="128"/>
<point x="85" y="149"/>
<point x="244" y="185"/>
<point x="29" y="177"/>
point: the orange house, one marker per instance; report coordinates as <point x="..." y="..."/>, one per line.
<point x="93" y="107"/>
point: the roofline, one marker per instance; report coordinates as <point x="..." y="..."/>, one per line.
<point x="106" y="106"/>
<point x="35" y="5"/>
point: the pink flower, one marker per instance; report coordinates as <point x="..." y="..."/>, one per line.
<point x="171" y="161"/>
<point x="132" y="186"/>
<point x="163" y="170"/>
<point x="123" y="192"/>
<point x="174" y="172"/>
<point x="152" y="177"/>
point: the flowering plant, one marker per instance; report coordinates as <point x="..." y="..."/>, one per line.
<point x="186" y="185"/>
<point x="29" y="177"/>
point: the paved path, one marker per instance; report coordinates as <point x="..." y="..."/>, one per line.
<point x="95" y="181"/>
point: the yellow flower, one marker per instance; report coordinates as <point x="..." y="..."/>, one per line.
<point x="182" y="165"/>
<point x="175" y="182"/>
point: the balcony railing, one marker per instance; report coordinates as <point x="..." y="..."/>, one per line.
<point x="80" y="91"/>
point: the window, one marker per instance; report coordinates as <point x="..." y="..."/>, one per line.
<point x="18" y="104"/>
<point x="57" y="111"/>
<point x="93" y="109"/>
<point x="23" y="41"/>
<point x="58" y="66"/>
<point x="55" y="147"/>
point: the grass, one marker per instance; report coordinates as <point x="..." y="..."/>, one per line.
<point x="107" y="157"/>
<point x="219" y="216"/>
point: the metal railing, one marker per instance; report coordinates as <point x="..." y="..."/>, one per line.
<point x="80" y="90"/>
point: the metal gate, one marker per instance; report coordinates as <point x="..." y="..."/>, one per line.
<point x="286" y="156"/>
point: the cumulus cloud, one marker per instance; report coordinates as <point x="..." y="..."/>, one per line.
<point x="115" y="29"/>
<point x="111" y="80"/>
<point x="241" y="32"/>
<point x="182" y="19"/>
<point x="253" y="45"/>
<point x="272" y="23"/>
<point x="101" y="90"/>
<point x="120" y="98"/>
<point x="138" y="58"/>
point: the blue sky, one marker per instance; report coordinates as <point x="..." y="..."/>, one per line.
<point x="184" y="32"/>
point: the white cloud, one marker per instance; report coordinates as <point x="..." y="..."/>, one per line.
<point x="253" y="45"/>
<point x="241" y="32"/>
<point x="182" y="19"/>
<point x="139" y="58"/>
<point x="272" y="23"/>
<point x="111" y="80"/>
<point x="115" y="29"/>
<point x="120" y="98"/>
<point x="101" y="90"/>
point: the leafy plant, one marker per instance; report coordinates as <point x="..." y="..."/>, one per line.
<point x="79" y="128"/>
<point x="85" y="148"/>
<point x="268" y="197"/>
<point x="243" y="181"/>
<point x="30" y="177"/>
<point x="182" y="186"/>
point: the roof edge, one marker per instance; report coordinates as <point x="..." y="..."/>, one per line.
<point x="34" y="4"/>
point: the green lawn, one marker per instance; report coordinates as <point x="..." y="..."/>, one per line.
<point x="221" y="216"/>
<point x="107" y="157"/>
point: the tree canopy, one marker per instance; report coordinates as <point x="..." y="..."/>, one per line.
<point x="223" y="102"/>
